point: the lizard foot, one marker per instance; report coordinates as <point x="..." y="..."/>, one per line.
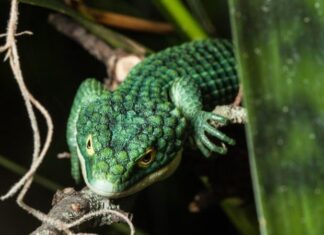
<point x="202" y="127"/>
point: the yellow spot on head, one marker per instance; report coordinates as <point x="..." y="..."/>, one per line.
<point x="89" y="146"/>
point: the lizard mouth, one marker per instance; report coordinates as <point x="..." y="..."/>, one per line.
<point x="108" y="189"/>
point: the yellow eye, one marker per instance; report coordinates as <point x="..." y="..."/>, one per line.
<point x="89" y="145"/>
<point x="147" y="158"/>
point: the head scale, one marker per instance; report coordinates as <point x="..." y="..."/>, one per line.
<point x="124" y="147"/>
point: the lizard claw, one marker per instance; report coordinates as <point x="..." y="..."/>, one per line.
<point x="202" y="126"/>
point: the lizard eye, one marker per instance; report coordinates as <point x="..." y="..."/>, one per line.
<point x="147" y="158"/>
<point x="89" y="145"/>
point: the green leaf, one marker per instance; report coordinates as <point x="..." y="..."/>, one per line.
<point x="178" y="13"/>
<point x="280" y="51"/>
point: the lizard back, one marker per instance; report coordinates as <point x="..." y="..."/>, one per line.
<point x="210" y="63"/>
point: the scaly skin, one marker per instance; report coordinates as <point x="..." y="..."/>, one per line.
<point x="126" y="140"/>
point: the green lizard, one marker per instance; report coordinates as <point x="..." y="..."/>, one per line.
<point x="125" y="140"/>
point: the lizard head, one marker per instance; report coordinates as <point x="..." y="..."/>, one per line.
<point x="124" y="147"/>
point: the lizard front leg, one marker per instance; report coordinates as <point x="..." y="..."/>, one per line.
<point x="186" y="96"/>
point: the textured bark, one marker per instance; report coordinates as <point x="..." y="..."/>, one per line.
<point x="117" y="62"/>
<point x="70" y="205"/>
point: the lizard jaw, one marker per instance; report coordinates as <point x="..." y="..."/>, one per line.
<point x="107" y="189"/>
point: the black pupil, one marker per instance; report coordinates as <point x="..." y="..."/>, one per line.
<point x="146" y="158"/>
<point x="89" y="144"/>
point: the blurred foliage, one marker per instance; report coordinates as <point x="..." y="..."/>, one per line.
<point x="280" y="46"/>
<point x="177" y="13"/>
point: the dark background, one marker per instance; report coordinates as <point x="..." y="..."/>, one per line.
<point x="53" y="67"/>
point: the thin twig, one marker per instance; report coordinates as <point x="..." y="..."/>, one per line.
<point x="128" y="22"/>
<point x="18" y="34"/>
<point x="92" y="44"/>
<point x="38" y="153"/>
<point x="12" y="54"/>
<point x="235" y="114"/>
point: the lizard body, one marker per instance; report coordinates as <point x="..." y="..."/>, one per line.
<point x="125" y="140"/>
